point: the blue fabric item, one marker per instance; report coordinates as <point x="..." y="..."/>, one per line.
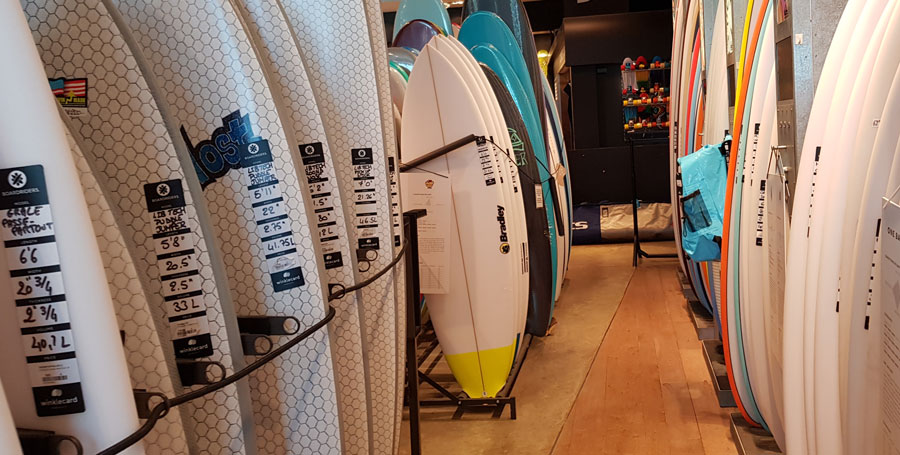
<point x="704" y="175"/>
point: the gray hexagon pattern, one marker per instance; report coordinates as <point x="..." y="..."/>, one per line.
<point x="205" y="65"/>
<point x="378" y="38"/>
<point x="341" y="71"/>
<point x="143" y="349"/>
<point x="125" y="140"/>
<point x="288" y="79"/>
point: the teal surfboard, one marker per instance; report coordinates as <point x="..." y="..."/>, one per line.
<point x="430" y="10"/>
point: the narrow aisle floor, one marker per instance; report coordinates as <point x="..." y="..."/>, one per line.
<point x="648" y="390"/>
<point x="552" y="374"/>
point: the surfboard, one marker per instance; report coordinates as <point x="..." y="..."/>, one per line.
<point x="539" y="311"/>
<point x="753" y="285"/>
<point x="513" y="14"/>
<point x="146" y="362"/>
<point x="731" y="332"/>
<point x="140" y="125"/>
<point x="540" y="271"/>
<point x="65" y="368"/>
<point x="486" y="28"/>
<point x="797" y="409"/>
<point x="837" y="157"/>
<point x="674" y="93"/>
<point x="403" y="57"/>
<point x="339" y="57"/>
<point x="416" y="34"/>
<point x="242" y="161"/>
<point x="287" y="77"/>
<point x="859" y="239"/>
<point x="501" y="151"/>
<point x="477" y="333"/>
<point x="564" y="181"/>
<point x="9" y="440"/>
<point x="375" y="21"/>
<point x="429" y="10"/>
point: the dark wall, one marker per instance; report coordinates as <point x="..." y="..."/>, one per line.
<point x="595" y="47"/>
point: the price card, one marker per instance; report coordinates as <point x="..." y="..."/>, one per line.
<point x="179" y="271"/>
<point x="273" y="224"/>
<point x="38" y="291"/>
<point x="430" y="192"/>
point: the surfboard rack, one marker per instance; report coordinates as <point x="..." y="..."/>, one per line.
<point x="42" y="442"/>
<point x="638" y="252"/>
<point x="428" y="355"/>
<point x="196" y="372"/>
<point x="703" y="321"/>
<point x="439" y="152"/>
<point x="750" y="440"/>
<point x="715" y="363"/>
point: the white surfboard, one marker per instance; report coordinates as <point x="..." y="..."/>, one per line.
<point x="9" y="439"/>
<point x="858" y="237"/>
<point x="75" y="381"/>
<point x="836" y="159"/>
<point x="471" y="72"/>
<point x="287" y="76"/>
<point x="799" y="409"/>
<point x="474" y="321"/>
<point x="242" y="160"/>
<point x="753" y="285"/>
<point x="342" y="74"/>
<point x="864" y="346"/>
<point x="823" y="422"/>
<point x="146" y="361"/>
<point x="111" y="113"/>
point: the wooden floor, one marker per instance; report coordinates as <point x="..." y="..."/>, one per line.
<point x="648" y="390"/>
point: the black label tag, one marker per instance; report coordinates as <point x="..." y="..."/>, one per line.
<point x="370" y="243"/>
<point x="312" y="153"/>
<point x="193" y="347"/>
<point x="333" y="260"/>
<point x="58" y="400"/>
<point x="288" y="279"/>
<point x="23" y="186"/>
<point x="362" y="156"/>
<point x="164" y="195"/>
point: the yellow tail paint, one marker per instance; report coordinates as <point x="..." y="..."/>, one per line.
<point x="482" y="374"/>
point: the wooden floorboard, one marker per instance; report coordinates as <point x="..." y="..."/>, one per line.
<point x="648" y="390"/>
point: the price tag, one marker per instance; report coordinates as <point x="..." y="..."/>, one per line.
<point x="272" y="222"/>
<point x="179" y="271"/>
<point x="38" y="291"/>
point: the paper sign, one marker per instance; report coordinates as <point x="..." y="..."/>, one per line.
<point x="889" y="301"/>
<point x="422" y="190"/>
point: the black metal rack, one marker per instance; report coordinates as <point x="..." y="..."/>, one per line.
<point x="638" y="252"/>
<point x="423" y="353"/>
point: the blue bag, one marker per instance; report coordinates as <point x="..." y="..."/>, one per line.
<point x="704" y="176"/>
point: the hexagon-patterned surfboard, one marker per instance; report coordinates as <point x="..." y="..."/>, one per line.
<point x="219" y="103"/>
<point x="287" y="76"/>
<point x="343" y="76"/>
<point x="125" y="143"/>
<point x="146" y="360"/>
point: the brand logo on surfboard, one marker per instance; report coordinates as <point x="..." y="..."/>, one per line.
<point x="504" y="238"/>
<point x="215" y="156"/>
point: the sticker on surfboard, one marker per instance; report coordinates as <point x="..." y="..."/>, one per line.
<point x="72" y="94"/>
